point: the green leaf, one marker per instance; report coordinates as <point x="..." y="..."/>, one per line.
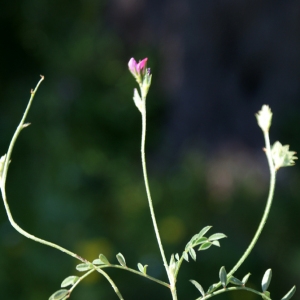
<point x="142" y="269"/>
<point x="145" y="269"/>
<point x="223" y="276"/>
<point x="193" y="253"/>
<point x="59" y="295"/>
<point x="104" y="259"/>
<point x="290" y="294"/>
<point x="211" y="288"/>
<point x="216" y="243"/>
<point x="71" y="280"/>
<point x="121" y="259"/>
<point x="177" y="256"/>
<point x="245" y="278"/>
<point x="200" y="241"/>
<point x="83" y="267"/>
<point x="235" y="281"/>
<point x="205" y="246"/>
<point x="97" y="261"/>
<point x="198" y="286"/>
<point x="204" y="230"/>
<point x="266" y="280"/>
<point x="217" y="236"/>
<point x="185" y="256"/>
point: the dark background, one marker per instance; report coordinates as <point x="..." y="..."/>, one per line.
<point x="76" y="178"/>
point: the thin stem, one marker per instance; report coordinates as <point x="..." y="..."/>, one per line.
<point x="4" y="176"/>
<point x="266" y="211"/>
<point x="267" y="208"/>
<point x="135" y="272"/>
<point x="171" y="278"/>
<point x="230" y="289"/>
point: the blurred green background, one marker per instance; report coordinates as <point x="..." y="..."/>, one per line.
<point x="76" y="178"/>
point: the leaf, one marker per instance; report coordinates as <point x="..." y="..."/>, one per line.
<point x="223" y="276"/>
<point x="198" y="286"/>
<point x="216" y="243"/>
<point x="140" y="267"/>
<point x="266" y="280"/>
<point x="217" y="236"/>
<point x="104" y="259"/>
<point x="177" y="256"/>
<point x="200" y="241"/>
<point x="205" y="246"/>
<point x="97" y="261"/>
<point x="145" y="269"/>
<point x="235" y="281"/>
<point x="192" y="240"/>
<point x="204" y="230"/>
<point x="121" y="259"/>
<point x="245" y="278"/>
<point x="185" y="256"/>
<point x="212" y="287"/>
<point x="290" y="294"/>
<point x="71" y="280"/>
<point x="59" y="295"/>
<point x="83" y="267"/>
<point x="193" y="253"/>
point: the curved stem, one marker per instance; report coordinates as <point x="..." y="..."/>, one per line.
<point x="230" y="289"/>
<point x="4" y="176"/>
<point x="266" y="211"/>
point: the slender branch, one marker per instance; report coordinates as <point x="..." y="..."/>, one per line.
<point x="136" y="272"/>
<point x="230" y="289"/>
<point x="21" y="126"/>
<point x="266" y="211"/>
<point x="148" y="190"/>
<point x="171" y="277"/>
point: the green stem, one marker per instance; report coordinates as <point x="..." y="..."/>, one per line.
<point x="21" y="126"/>
<point x="135" y="272"/>
<point x="266" y="211"/>
<point x="172" y="283"/>
<point x="230" y="289"/>
<point x="4" y="176"/>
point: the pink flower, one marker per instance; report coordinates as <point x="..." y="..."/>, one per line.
<point x="136" y="68"/>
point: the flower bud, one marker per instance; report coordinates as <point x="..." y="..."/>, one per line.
<point x="264" y="118"/>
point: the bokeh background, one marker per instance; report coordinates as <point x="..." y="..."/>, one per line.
<point x="76" y="178"/>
